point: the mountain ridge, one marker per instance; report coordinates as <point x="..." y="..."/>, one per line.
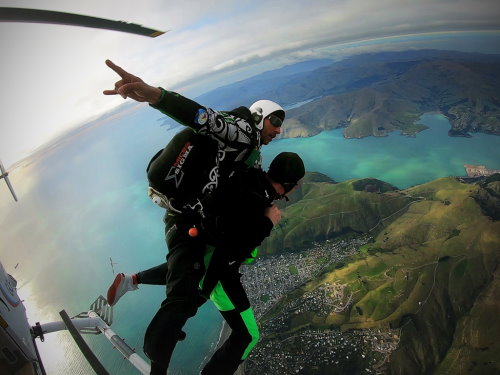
<point x="377" y="93"/>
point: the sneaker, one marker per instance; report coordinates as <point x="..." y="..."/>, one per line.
<point x="122" y="284"/>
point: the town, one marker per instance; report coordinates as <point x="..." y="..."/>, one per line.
<point x="310" y="350"/>
<point x="479" y="170"/>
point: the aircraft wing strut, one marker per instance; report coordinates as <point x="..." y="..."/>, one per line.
<point x="5" y="175"/>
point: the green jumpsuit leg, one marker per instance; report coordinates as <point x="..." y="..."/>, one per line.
<point x="231" y="300"/>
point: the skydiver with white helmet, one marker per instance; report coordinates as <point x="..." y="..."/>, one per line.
<point x="183" y="178"/>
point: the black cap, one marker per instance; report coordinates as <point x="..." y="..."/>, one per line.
<point x="286" y="168"/>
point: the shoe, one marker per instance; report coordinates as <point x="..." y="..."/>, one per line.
<point x="122" y="284"/>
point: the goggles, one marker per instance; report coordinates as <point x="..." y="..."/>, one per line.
<point x="288" y="186"/>
<point x="275" y="121"/>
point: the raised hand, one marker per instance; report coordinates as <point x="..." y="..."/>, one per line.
<point x="130" y="86"/>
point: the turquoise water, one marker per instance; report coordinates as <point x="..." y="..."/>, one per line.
<point x="80" y="204"/>
<point x="400" y="160"/>
<point x="85" y="201"/>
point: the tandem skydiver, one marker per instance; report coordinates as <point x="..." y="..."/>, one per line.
<point x="238" y="219"/>
<point x="237" y="136"/>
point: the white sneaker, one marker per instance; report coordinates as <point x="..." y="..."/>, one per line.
<point x="122" y="284"/>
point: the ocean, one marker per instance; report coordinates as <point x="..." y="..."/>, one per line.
<point x="84" y="215"/>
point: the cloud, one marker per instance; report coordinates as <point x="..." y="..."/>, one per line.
<point x="52" y="76"/>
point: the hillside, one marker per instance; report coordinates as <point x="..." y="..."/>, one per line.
<point x="374" y="94"/>
<point x="431" y="272"/>
<point x="395" y="95"/>
<point x="322" y="210"/>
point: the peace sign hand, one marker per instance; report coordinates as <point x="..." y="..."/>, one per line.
<point x="132" y="87"/>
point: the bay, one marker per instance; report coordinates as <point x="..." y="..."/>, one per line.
<point x="400" y="160"/>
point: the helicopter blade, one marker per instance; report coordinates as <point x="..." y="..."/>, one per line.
<point x="8" y="14"/>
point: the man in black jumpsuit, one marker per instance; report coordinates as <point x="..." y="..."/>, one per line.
<point x="238" y="234"/>
<point x="233" y="236"/>
<point x="239" y="136"/>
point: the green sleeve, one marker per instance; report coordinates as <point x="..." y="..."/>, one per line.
<point x="181" y="109"/>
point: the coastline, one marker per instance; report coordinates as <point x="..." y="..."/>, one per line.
<point x="224" y="333"/>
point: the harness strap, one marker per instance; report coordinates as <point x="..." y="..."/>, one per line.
<point x="252" y="158"/>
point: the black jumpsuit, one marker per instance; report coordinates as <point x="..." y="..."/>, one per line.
<point x="241" y="226"/>
<point x="237" y="138"/>
<point x="236" y="234"/>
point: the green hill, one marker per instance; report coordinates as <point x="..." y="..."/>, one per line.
<point x="393" y="95"/>
<point x="322" y="210"/>
<point x="431" y="272"/>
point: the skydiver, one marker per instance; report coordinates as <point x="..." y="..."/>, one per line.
<point x="239" y="135"/>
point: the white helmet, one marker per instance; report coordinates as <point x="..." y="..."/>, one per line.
<point x="263" y="108"/>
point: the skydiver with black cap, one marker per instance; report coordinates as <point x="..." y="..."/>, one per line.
<point x="238" y="222"/>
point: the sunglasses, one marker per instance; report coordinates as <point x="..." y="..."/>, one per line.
<point x="275" y="121"/>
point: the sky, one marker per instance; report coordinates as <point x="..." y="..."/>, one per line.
<point x="53" y="76"/>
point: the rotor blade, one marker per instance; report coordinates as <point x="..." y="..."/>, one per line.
<point x="8" y="14"/>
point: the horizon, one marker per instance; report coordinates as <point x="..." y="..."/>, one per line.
<point x="354" y="48"/>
